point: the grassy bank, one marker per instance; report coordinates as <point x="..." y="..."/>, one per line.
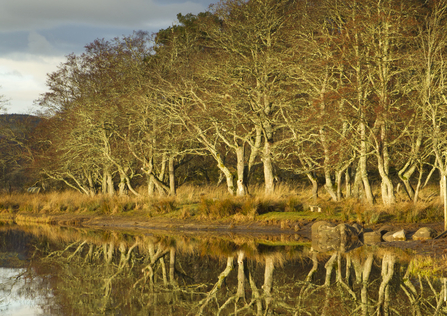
<point x="206" y="203"/>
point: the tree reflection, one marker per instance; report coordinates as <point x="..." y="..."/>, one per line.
<point x="124" y="274"/>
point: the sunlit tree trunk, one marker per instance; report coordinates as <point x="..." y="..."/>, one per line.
<point x="172" y="176"/>
<point x="241" y="177"/>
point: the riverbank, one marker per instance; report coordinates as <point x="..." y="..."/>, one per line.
<point x="285" y="231"/>
<point x="288" y="214"/>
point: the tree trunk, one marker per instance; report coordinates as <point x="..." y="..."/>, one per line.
<point x="362" y="164"/>
<point x="268" y="169"/>
<point x="107" y="183"/>
<point x="228" y="177"/>
<point x="254" y="151"/>
<point x="383" y="160"/>
<point x="348" y="192"/>
<point x="172" y="188"/>
<point x="358" y="186"/>
<point x="405" y="174"/>
<point x="327" y="173"/>
<point x="314" y="181"/>
<point x="386" y="185"/>
<point x="122" y="184"/>
<point x="329" y="185"/>
<point x="241" y="185"/>
<point x="150" y="185"/>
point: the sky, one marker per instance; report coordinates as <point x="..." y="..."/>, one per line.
<point x="37" y="35"/>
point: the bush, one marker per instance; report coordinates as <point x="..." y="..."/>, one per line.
<point x="219" y="208"/>
<point x="164" y="206"/>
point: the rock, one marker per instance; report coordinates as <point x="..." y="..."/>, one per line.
<point x="348" y="232"/>
<point x="424" y="233"/>
<point x="372" y="237"/>
<point x="386" y="229"/>
<point x="358" y="228"/>
<point x="326" y="230"/>
<point x="393" y="236"/>
<point x="326" y="245"/>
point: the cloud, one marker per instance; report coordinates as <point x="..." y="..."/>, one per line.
<point x="22" y="79"/>
<point x="13" y="73"/>
<point x="26" y="15"/>
<point x="35" y="34"/>
<point x="38" y="44"/>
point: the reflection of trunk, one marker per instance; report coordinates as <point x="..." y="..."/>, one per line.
<point x="384" y="289"/>
<point x="365" y="279"/>
<point x="268" y="281"/>
<point x="108" y="252"/>
<point x="255" y="293"/>
<point x="329" y="267"/>
<point x="212" y="294"/>
<point x="172" y="265"/>
<point x="125" y="255"/>
<point x="339" y="277"/>
<point x="314" y="267"/>
<point x="240" y="275"/>
<point x="411" y="291"/>
<point x="163" y="271"/>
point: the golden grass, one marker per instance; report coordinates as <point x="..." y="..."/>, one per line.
<point x="428" y="266"/>
<point x="287" y="204"/>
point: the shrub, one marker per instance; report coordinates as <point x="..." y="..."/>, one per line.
<point x="163" y="206"/>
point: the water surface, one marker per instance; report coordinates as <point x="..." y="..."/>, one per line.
<point x="50" y="270"/>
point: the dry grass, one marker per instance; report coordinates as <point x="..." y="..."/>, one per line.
<point x="428" y="266"/>
<point x="216" y="203"/>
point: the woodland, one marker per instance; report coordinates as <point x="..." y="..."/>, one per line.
<point x="333" y="93"/>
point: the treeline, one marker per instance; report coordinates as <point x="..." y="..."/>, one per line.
<point x="330" y="89"/>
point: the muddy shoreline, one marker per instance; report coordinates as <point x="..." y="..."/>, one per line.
<point x="295" y="231"/>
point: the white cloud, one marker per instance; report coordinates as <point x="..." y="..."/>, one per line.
<point x="23" y="77"/>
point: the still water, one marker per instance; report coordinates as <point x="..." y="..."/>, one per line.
<point x="50" y="270"/>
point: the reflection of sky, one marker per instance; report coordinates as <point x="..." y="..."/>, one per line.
<point x="12" y="303"/>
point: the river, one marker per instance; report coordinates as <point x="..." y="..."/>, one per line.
<point x="52" y="270"/>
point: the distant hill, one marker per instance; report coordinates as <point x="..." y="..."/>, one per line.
<point x="15" y="120"/>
